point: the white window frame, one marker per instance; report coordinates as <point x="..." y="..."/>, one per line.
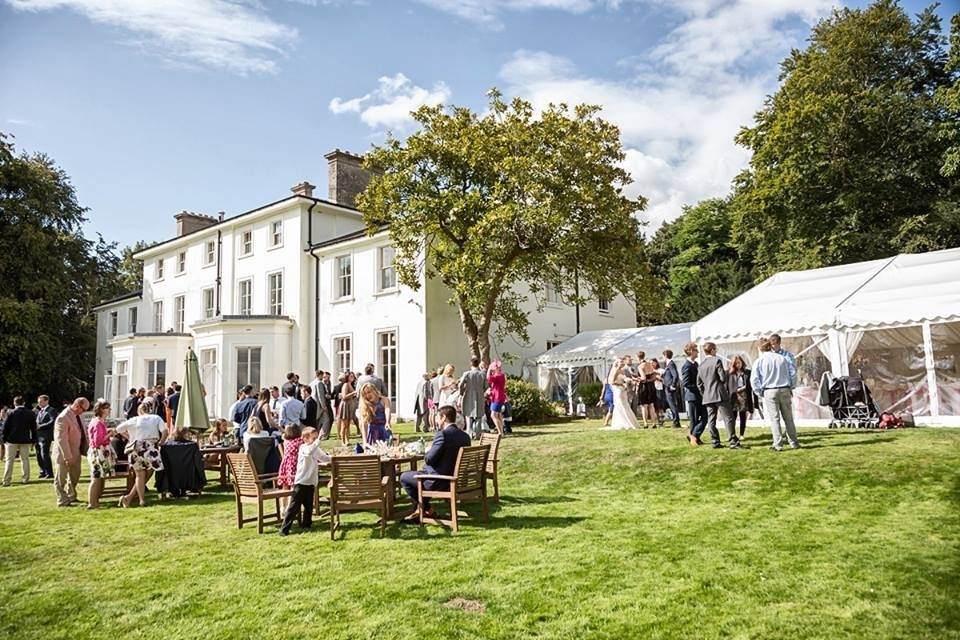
<point x="158" y="270"/>
<point x="150" y="366"/>
<point x="338" y="279"/>
<point x="122" y="387"/>
<point x="342" y="364"/>
<point x="180" y="314"/>
<point x="389" y="379"/>
<point x="603" y="306"/>
<point x="240" y="283"/>
<point x="209" y="253"/>
<point x="553" y="343"/>
<point x="381" y="269"/>
<point x="551" y="294"/>
<point x="275" y="229"/>
<point x="133" y="314"/>
<point x="272" y="308"/>
<point x="158" y="316"/>
<point x="181" y="263"/>
<point x="211" y="310"/>
<point x="242" y="251"/>
<point x="249" y="349"/>
<point x="114" y="323"/>
<point x="209" y="372"/>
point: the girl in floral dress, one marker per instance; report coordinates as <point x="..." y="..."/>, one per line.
<point x="288" y="465"/>
<point x="100" y="454"/>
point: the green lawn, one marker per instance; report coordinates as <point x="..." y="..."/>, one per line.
<point x="599" y="535"/>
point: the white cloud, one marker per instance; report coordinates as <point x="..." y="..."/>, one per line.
<point x="219" y="34"/>
<point x="390" y="104"/>
<point x="487" y="12"/>
<point x="685" y="98"/>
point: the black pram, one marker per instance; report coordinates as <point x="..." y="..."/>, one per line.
<point x="852" y="404"/>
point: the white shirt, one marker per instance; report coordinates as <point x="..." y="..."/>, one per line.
<point x="146" y="427"/>
<point x="247" y="437"/>
<point x="308" y="457"/>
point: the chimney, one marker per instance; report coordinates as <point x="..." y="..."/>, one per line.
<point x="303" y="189"/>
<point x="188" y="222"/>
<point x="346" y="177"/>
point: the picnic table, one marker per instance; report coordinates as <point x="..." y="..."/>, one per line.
<point x="391" y="466"/>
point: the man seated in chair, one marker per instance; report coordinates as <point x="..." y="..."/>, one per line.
<point x="440" y="459"/>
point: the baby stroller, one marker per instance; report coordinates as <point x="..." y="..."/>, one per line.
<point x="852" y="404"/>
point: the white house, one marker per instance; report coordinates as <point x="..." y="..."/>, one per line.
<point x="297" y="285"/>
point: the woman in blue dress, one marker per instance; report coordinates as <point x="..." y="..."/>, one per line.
<point x="373" y="415"/>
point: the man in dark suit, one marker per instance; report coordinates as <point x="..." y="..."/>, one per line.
<point x="691" y="394"/>
<point x="19" y="434"/>
<point x="311" y="408"/>
<point x="712" y="380"/>
<point x="441" y="459"/>
<point x="326" y="406"/>
<point x="173" y="401"/>
<point x="671" y="382"/>
<point x="131" y="404"/>
<point x="46" y="415"/>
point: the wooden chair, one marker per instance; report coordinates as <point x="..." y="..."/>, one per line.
<point x="247" y="484"/>
<point x="493" y="439"/>
<point x="357" y="484"/>
<point x="468" y="483"/>
<point x="112" y="490"/>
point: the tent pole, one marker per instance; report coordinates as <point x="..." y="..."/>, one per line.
<point x="837" y="347"/>
<point x="932" y="392"/>
<point x="570" y="390"/>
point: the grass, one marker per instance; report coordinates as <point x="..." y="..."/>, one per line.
<point x="598" y="535"/>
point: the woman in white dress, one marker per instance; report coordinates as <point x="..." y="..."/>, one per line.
<point x="623" y="416"/>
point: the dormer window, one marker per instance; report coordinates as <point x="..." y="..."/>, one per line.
<point x="159" y="269"/>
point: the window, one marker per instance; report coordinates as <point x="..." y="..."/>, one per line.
<point x="181" y="262"/>
<point x="114" y="322"/>
<point x="387" y="350"/>
<point x="208" y="378"/>
<point x="209" y="253"/>
<point x="158" y="316"/>
<point x="209" y="303"/>
<point x="388" y="275"/>
<point x="248" y="367"/>
<point x="122" y="386"/>
<point x="179" y="314"/>
<point x="603" y="305"/>
<point x="132" y="319"/>
<point x="159" y="269"/>
<point x="551" y="293"/>
<point x="246" y="243"/>
<point x="245" y="297"/>
<point x="156" y="372"/>
<point x="344" y="274"/>
<point x="275" y="289"/>
<point x="276" y="233"/>
<point x="342" y="349"/>
<point x="552" y="343"/>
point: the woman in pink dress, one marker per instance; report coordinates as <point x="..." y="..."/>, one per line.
<point x="100" y="454"/>
<point x="288" y="465"/>
<point x="498" y="393"/>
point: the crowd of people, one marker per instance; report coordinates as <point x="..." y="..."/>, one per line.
<point x="709" y="389"/>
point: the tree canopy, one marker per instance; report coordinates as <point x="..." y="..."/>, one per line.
<point x="489" y="202"/>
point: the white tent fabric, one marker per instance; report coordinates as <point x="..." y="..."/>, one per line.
<point x="601" y="346"/>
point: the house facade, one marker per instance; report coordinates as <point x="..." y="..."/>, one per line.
<point x="297" y="285"/>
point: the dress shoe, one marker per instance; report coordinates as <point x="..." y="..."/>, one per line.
<point x="776" y="448"/>
<point x="717" y="445"/>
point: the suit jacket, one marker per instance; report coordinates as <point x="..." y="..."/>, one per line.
<point x="46" y="417"/>
<point x="732" y="388"/>
<point x="311" y="408"/>
<point x="688" y="377"/>
<point x="173" y="402"/>
<point x="130" y="406"/>
<point x="424" y="392"/>
<point x="67" y="436"/>
<point x="712" y="381"/>
<point x="473" y="385"/>
<point x="20" y="427"/>
<point x="442" y="456"/>
<point x="671" y="377"/>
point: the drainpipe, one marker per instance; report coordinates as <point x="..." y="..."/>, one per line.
<point x="576" y="292"/>
<point x="316" y="287"/>
<point x="219" y="265"/>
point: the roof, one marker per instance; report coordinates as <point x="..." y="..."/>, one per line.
<point x="602" y="345"/>
<point x="353" y="235"/>
<point x="904" y="289"/>
<point x="232" y="219"/>
<point x="127" y="296"/>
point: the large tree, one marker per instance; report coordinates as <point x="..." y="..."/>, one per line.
<point x="492" y="204"/>
<point x="51" y="275"/>
<point x="847" y="154"/>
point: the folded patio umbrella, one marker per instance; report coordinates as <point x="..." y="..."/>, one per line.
<point x="192" y="410"/>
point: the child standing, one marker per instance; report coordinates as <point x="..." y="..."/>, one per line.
<point x="309" y="456"/>
<point x="288" y="465"/>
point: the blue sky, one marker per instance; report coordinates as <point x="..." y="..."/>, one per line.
<point x="209" y="105"/>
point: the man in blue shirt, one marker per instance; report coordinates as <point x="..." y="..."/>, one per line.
<point x="773" y="378"/>
<point x="244" y="408"/>
<point x="291" y="409"/>
<point x="776" y="347"/>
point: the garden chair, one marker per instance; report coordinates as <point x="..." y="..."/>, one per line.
<point x="468" y="483"/>
<point x="357" y="484"/>
<point x="121" y="470"/>
<point x="250" y="485"/>
<point x="493" y="439"/>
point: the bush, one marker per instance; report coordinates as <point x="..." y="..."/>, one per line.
<point x="590" y="392"/>
<point x="527" y="402"/>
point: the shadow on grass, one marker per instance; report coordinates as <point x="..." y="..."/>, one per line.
<point x="857" y="443"/>
<point x="512" y="500"/>
<point x="472" y="522"/>
<point x="533" y="434"/>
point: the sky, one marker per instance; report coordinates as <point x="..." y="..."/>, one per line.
<point x="158" y="106"/>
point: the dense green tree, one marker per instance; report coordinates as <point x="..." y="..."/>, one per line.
<point x="510" y="197"/>
<point x="51" y="275"/>
<point x="847" y="154"/>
